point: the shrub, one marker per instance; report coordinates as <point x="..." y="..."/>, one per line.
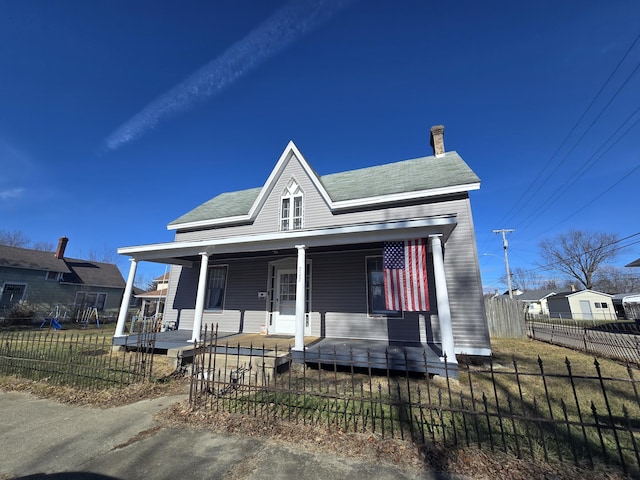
<point x="19" y="314"/>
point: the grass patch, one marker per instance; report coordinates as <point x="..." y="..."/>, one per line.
<point x="533" y="400"/>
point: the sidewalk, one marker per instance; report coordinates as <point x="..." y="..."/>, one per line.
<point x="44" y="439"/>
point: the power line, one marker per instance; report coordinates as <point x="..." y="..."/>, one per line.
<point x="515" y="208"/>
<point x="634" y="170"/>
<point x="584" y="167"/>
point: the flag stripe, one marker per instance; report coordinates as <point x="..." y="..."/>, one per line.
<point x="405" y="276"/>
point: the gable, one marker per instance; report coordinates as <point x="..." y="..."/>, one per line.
<point x="363" y="188"/>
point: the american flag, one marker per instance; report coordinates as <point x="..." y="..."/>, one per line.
<point x="405" y="276"/>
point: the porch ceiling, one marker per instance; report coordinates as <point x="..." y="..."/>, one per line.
<point x="186" y="252"/>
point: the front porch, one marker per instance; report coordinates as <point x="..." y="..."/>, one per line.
<point x="277" y="350"/>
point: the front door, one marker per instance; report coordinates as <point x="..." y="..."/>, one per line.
<point x="285" y="305"/>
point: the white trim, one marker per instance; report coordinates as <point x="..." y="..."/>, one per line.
<point x="207" y="223"/>
<point x="481" y="352"/>
<point x="396" y="197"/>
<point x="362" y="233"/>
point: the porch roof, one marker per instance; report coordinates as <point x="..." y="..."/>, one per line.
<point x="186" y="252"/>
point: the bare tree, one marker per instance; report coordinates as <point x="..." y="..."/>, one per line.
<point x="15" y="238"/>
<point x="613" y="280"/>
<point x="579" y="254"/>
<point x="107" y="255"/>
<point x="523" y="279"/>
<point x="44" y="246"/>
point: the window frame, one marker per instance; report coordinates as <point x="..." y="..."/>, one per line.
<point x="99" y="303"/>
<point x="371" y="311"/>
<point x="207" y="300"/>
<point x="52" y="276"/>
<point x="293" y="198"/>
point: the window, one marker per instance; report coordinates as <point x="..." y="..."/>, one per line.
<point x="55" y="276"/>
<point x="216" y="287"/>
<point x="11" y="294"/>
<point x="375" y="289"/>
<point x="291" y="207"/>
<point x="91" y="300"/>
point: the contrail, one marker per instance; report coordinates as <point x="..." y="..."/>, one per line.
<point x="280" y="30"/>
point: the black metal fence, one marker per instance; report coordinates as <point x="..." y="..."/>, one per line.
<point x="86" y="361"/>
<point x="619" y="340"/>
<point x="583" y="417"/>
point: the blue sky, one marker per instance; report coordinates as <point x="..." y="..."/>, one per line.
<point x="117" y="117"/>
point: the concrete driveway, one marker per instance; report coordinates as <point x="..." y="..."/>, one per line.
<point x="40" y="438"/>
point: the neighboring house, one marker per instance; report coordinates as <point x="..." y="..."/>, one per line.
<point x="153" y="301"/>
<point x="46" y="279"/>
<point x="303" y="255"/>
<point x="535" y="301"/>
<point x="627" y="305"/>
<point x="582" y="305"/>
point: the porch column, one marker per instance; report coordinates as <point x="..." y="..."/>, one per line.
<point x="300" y="298"/>
<point x="442" y="299"/>
<point x="126" y="299"/>
<point x="200" y="296"/>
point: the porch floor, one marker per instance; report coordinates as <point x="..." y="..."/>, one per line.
<point x="378" y="355"/>
<point x="344" y="352"/>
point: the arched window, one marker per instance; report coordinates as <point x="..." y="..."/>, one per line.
<point x="291" y="207"/>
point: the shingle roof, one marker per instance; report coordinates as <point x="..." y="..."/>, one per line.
<point x="15" y="257"/>
<point x="535" y="294"/>
<point x="425" y="173"/>
<point x="635" y="263"/>
<point x="74" y="270"/>
<point x="92" y="273"/>
<point x="225" y="205"/>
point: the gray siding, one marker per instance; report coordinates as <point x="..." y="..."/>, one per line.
<point x="243" y="310"/>
<point x="339" y="300"/>
<point x="339" y="279"/>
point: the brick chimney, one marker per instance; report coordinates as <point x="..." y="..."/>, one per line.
<point x="437" y="140"/>
<point x="62" y="245"/>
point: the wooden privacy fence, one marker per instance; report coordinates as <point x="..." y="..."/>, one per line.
<point x="586" y="418"/>
<point x="505" y="317"/>
<point x="86" y="361"/>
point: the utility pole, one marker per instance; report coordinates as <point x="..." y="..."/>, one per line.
<point x="505" y="245"/>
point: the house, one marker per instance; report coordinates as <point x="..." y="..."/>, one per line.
<point x="535" y="301"/>
<point x="581" y="305"/>
<point x="153" y="301"/>
<point x="304" y="255"/>
<point x="45" y="280"/>
<point x="627" y="305"/>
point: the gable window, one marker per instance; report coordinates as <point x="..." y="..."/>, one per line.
<point x="291" y="207"/>
<point x="216" y="288"/>
<point x="375" y="289"/>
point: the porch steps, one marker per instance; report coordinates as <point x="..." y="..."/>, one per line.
<point x="230" y="358"/>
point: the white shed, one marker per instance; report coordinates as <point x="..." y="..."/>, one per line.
<point x="587" y="305"/>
